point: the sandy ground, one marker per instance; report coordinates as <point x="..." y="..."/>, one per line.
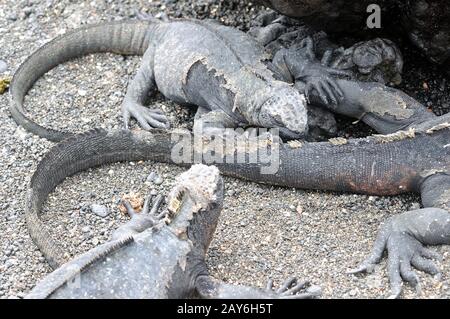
<point x="263" y="232"/>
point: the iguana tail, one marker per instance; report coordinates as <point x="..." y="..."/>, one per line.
<point x="128" y="38"/>
<point x="378" y="165"/>
<point x="76" y="154"/>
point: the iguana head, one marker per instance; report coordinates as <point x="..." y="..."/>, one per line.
<point x="284" y="108"/>
<point x="195" y="204"/>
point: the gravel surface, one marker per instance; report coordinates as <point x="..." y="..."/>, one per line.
<point x="263" y="232"/>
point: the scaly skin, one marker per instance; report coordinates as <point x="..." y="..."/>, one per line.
<point x="160" y="256"/>
<point x="360" y="95"/>
<point x="416" y="160"/>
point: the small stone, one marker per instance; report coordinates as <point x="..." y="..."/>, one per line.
<point x="231" y="193"/>
<point x="21" y="133"/>
<point x="100" y="210"/>
<point x="158" y="180"/>
<point x="12" y="17"/>
<point x="151" y="177"/>
<point x="353" y="292"/>
<point x="27" y="11"/>
<point x="82" y="92"/>
<point x="86" y="229"/>
<point x="3" y="66"/>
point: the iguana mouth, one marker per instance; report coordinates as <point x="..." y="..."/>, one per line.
<point x="175" y="204"/>
<point x="197" y="190"/>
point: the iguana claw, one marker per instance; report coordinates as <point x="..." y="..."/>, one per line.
<point x="405" y="252"/>
<point x="291" y="287"/>
<point x="140" y="221"/>
<point x="147" y="118"/>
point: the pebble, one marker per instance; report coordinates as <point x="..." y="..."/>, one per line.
<point x="154" y="178"/>
<point x="158" y="180"/>
<point x="353" y="292"/>
<point x="151" y="177"/>
<point x="100" y="210"/>
<point x="86" y="229"/>
<point x="153" y="192"/>
<point x="3" y="66"/>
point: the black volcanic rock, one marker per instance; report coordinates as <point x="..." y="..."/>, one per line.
<point x="425" y="22"/>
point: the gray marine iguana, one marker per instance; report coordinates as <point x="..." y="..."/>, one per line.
<point x="226" y="73"/>
<point x="219" y="69"/>
<point x="415" y="160"/>
<point x="161" y="255"/>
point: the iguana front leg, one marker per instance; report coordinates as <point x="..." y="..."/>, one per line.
<point x="140" y="221"/>
<point x="137" y="92"/>
<point x="300" y="62"/>
<point x="209" y="288"/>
<point x="405" y="235"/>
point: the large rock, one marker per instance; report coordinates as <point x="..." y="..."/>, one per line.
<point x="426" y="22"/>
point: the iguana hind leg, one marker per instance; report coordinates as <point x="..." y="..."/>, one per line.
<point x="404" y="237"/>
<point x="210" y="288"/>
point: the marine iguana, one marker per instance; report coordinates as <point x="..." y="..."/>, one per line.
<point x="221" y="70"/>
<point x="416" y="160"/>
<point x="160" y="256"/>
<point x="303" y="57"/>
<point x="377" y="60"/>
<point x="228" y="74"/>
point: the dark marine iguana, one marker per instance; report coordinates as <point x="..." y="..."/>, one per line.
<point x="416" y="160"/>
<point x="160" y="255"/>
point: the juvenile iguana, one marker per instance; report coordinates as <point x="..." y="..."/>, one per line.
<point x="160" y="256"/>
<point x="416" y="160"/>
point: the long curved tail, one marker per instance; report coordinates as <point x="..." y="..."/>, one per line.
<point x="76" y="154"/>
<point x="374" y="165"/>
<point x="124" y="37"/>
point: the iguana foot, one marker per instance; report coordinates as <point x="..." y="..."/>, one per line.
<point x="147" y="211"/>
<point x="404" y="251"/>
<point x="140" y="221"/>
<point x="291" y="288"/>
<point x="147" y="118"/>
<point x="208" y="287"/>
